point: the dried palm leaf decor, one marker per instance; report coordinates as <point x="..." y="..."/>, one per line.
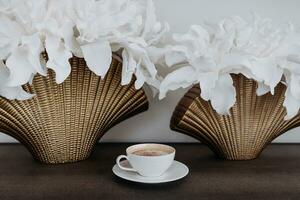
<point x="63" y="122"/>
<point x="254" y="121"/>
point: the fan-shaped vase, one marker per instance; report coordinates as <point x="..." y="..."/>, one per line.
<point x="254" y="121"/>
<point x="63" y="122"/>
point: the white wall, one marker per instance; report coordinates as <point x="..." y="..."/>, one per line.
<point x="154" y="124"/>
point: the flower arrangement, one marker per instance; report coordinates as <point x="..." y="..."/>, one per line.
<point x="208" y="55"/>
<point x="259" y="49"/>
<point x="91" y="29"/>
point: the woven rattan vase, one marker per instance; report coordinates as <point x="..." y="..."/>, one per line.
<point x="62" y="123"/>
<point x="252" y="124"/>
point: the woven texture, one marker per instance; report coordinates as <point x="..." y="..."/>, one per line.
<point x="252" y="124"/>
<point x="62" y="123"/>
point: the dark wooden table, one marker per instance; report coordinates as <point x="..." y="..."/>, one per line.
<point x="275" y="175"/>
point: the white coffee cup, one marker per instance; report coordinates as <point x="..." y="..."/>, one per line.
<point x="150" y="160"/>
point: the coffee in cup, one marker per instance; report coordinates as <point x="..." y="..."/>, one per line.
<point x="150" y="160"/>
<point x="149" y="152"/>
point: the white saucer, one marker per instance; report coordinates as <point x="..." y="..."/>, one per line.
<point x="177" y="171"/>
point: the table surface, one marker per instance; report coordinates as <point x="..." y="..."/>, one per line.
<point x="274" y="175"/>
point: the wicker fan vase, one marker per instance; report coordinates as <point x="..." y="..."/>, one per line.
<point x="254" y="121"/>
<point x="63" y="122"/>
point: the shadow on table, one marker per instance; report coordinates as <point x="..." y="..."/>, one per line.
<point x="156" y="187"/>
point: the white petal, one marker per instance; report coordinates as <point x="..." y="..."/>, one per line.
<point x="262" y="89"/>
<point x="291" y="104"/>
<point x="155" y="84"/>
<point x="71" y="43"/>
<point x="4" y="73"/>
<point x="158" y="35"/>
<point x="128" y="67"/>
<point x="34" y="46"/>
<point x="234" y="61"/>
<point x="9" y="36"/>
<point x="267" y="70"/>
<point x="294" y="57"/>
<point x="58" y="58"/>
<point x="294" y="86"/>
<point x="292" y="67"/>
<point x="223" y="96"/>
<point x="207" y="84"/>
<point x="150" y="18"/>
<point x="149" y="65"/>
<point x="157" y="55"/>
<point x="140" y="78"/>
<point x="181" y="78"/>
<point x="174" y="57"/>
<point x="19" y="67"/>
<point x="11" y="92"/>
<point x="140" y="54"/>
<point x="196" y="40"/>
<point x="98" y="56"/>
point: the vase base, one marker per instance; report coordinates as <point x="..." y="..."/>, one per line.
<point x="238" y="158"/>
<point x="59" y="161"/>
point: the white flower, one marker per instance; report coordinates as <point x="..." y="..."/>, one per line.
<point x="91" y="29"/>
<point x="10" y="92"/>
<point x="134" y="29"/>
<point x="259" y="50"/>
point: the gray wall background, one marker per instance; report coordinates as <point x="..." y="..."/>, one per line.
<point x="153" y="125"/>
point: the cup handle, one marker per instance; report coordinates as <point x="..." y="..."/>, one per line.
<point x="119" y="158"/>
